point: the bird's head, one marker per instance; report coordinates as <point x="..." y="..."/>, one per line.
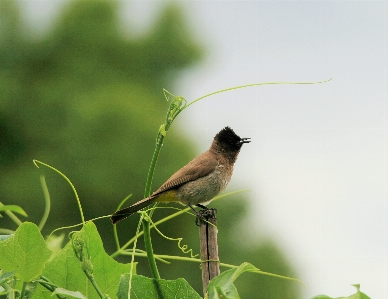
<point x="228" y="141"/>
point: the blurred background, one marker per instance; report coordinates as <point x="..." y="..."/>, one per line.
<point x="81" y="89"/>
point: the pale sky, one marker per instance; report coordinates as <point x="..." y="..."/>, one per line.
<point x="317" y="161"/>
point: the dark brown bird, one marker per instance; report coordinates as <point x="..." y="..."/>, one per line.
<point x="200" y="180"/>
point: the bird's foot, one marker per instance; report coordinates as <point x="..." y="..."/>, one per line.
<point x="205" y="214"/>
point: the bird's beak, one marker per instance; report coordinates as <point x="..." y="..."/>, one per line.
<point x="244" y="140"/>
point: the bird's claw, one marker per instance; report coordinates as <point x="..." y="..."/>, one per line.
<point x="205" y="215"/>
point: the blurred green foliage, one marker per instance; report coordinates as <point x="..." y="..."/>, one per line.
<point x="87" y="99"/>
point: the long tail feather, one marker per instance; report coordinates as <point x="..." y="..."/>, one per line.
<point x="126" y="212"/>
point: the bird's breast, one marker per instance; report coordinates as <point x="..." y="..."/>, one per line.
<point x="205" y="188"/>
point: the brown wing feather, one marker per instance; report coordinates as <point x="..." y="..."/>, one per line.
<point x="199" y="167"/>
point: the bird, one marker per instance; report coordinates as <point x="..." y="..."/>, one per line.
<point x="198" y="182"/>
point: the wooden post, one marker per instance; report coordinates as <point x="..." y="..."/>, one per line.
<point x="208" y="246"/>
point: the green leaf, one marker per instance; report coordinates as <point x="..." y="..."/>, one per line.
<point x="54" y="243"/>
<point x="30" y="289"/>
<point x="25" y="252"/>
<point x="357" y="295"/>
<point x="5" y="276"/>
<point x="13" y="208"/>
<point x="144" y="287"/>
<point x="68" y="293"/>
<point x="5" y="237"/>
<point x="65" y="269"/>
<point x="222" y="285"/>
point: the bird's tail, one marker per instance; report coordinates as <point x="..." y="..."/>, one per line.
<point x="126" y="212"/>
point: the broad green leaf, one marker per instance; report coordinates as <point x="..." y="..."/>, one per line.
<point x="144" y="287"/>
<point x="25" y="252"/>
<point x="65" y="269"/>
<point x="54" y="243"/>
<point x="222" y="286"/>
<point x="67" y="293"/>
<point x="13" y="208"/>
<point x="357" y="295"/>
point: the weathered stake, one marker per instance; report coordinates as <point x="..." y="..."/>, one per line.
<point x="208" y="246"/>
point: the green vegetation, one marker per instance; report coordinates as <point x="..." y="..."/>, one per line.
<point x="82" y="269"/>
<point x="86" y="98"/>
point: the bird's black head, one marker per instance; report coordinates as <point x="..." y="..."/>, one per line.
<point x="229" y="141"/>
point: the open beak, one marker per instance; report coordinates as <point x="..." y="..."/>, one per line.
<point x="245" y="140"/>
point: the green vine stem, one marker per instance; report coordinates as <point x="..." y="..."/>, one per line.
<point x="10" y="291"/>
<point x="123" y="248"/>
<point x="11" y="215"/>
<point x="252" y="85"/>
<point x="47" y="203"/>
<point x="177" y="105"/>
<point x="47" y="284"/>
<point x="22" y="295"/>
<point x="36" y="162"/>
<point x="81" y="250"/>
<point x="116" y="236"/>
<point x="148" y="248"/>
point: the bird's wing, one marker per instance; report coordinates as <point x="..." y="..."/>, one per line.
<point x="199" y="167"/>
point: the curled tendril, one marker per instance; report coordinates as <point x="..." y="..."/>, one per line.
<point x="37" y="162"/>
<point x="184" y="248"/>
<point x="177" y="105"/>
